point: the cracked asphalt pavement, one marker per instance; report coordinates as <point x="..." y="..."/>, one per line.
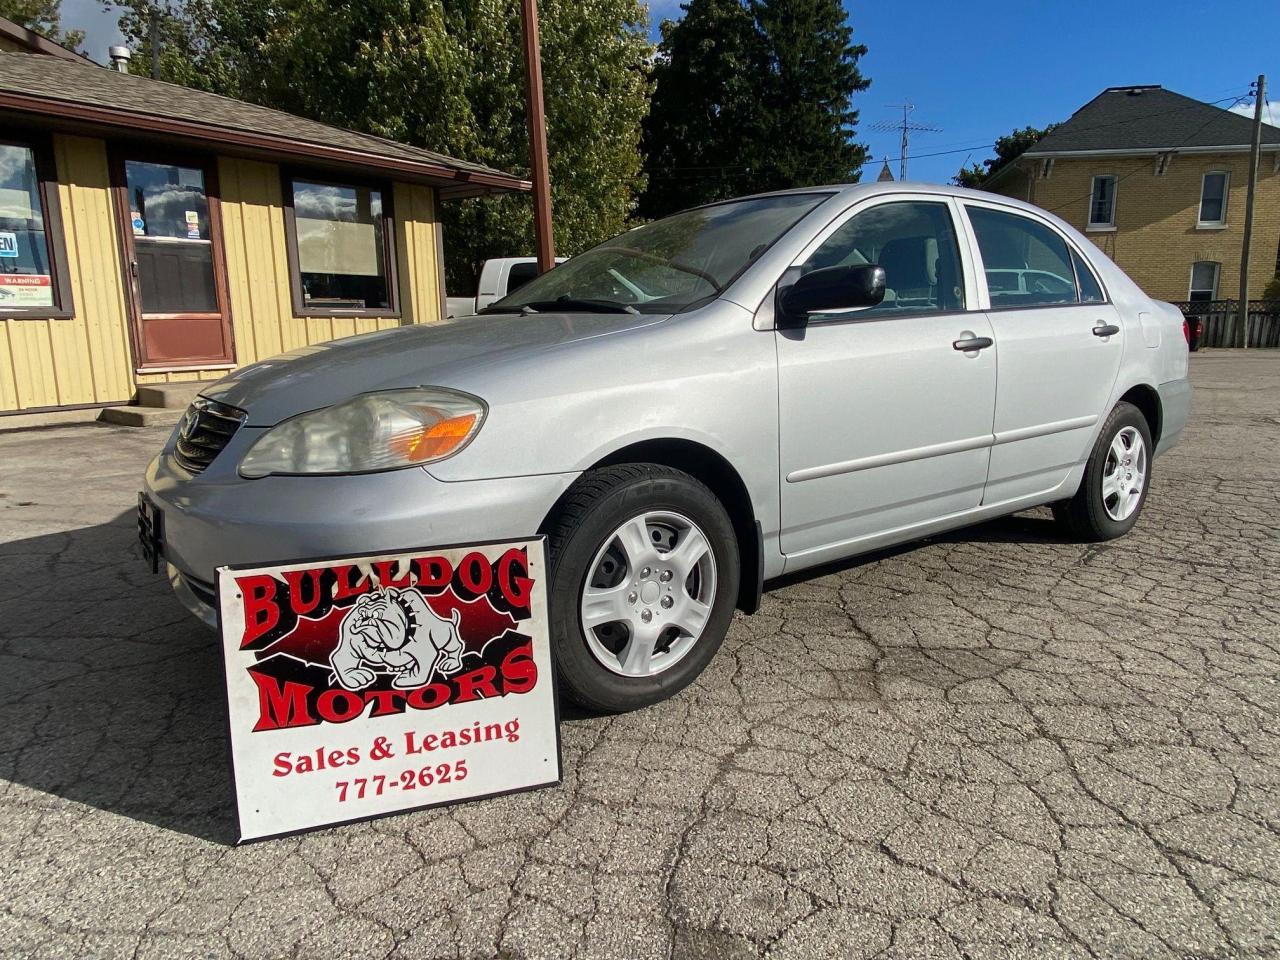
<point x="991" y="744"/>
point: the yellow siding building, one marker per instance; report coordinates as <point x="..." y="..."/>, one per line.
<point x="1158" y="182"/>
<point x="153" y="234"/>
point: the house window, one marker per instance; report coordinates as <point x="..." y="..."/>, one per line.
<point x="1213" y="199"/>
<point x="341" y="250"/>
<point x="1102" y="202"/>
<point x="32" y="262"/>
<point x="1204" y="281"/>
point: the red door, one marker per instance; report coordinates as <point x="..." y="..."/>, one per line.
<point x="175" y="276"/>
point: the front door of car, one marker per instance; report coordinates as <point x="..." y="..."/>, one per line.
<point x="1059" y="344"/>
<point x="884" y="423"/>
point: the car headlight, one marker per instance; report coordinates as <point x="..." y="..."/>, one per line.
<point x="374" y="431"/>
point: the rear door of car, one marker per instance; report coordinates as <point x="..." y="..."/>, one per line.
<point x="884" y="423"/>
<point x="1059" y="343"/>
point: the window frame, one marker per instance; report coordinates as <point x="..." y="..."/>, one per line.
<point x="389" y="252"/>
<point x="1217" y="279"/>
<point x="41" y="147"/>
<point x="964" y="259"/>
<point x="1201" y="222"/>
<point x="1090" y="223"/>
<point x="980" y="266"/>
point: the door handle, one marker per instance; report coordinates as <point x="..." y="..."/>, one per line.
<point x="969" y="344"/>
<point x="1106" y="330"/>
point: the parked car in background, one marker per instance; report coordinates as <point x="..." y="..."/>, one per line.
<point x="498" y="277"/>
<point x="741" y="390"/>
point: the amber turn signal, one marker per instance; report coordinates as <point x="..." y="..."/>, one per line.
<point x="433" y="442"/>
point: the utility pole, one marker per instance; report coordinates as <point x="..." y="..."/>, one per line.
<point x="907" y="127"/>
<point x="537" y="119"/>
<point x="1259" y="99"/>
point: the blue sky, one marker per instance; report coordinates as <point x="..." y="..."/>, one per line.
<point x="979" y="71"/>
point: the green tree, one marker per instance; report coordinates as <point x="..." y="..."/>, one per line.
<point x="1007" y="149"/>
<point x="752" y="95"/>
<point x="44" y="17"/>
<point x="696" y="141"/>
<point x="445" y="76"/>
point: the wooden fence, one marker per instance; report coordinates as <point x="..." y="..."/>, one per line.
<point x="1219" y="321"/>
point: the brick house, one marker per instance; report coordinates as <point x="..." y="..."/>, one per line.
<point x="1158" y="181"/>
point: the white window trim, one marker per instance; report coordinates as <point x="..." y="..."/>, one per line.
<point x="1201" y="223"/>
<point x="1099" y="225"/>
<point x="1217" y="278"/>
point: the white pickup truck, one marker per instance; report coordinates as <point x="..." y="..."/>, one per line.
<point x="498" y="277"/>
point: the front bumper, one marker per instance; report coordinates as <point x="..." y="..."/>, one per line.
<point x="1175" y="409"/>
<point x="218" y="518"/>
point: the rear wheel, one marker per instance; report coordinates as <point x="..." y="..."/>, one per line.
<point x="643" y="576"/>
<point x="1116" y="479"/>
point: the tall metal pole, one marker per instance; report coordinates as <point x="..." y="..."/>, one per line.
<point x="1255" y="150"/>
<point x="906" y="141"/>
<point x="546" y="248"/>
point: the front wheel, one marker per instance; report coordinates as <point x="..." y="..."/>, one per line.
<point x="1116" y="479"/>
<point x="643" y="579"/>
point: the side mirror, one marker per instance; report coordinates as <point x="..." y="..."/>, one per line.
<point x="829" y="289"/>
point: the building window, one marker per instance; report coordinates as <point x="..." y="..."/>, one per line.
<point x="1213" y="199"/>
<point x="32" y="260"/>
<point x="1204" y="281"/>
<point x="1102" y="202"/>
<point x="341" y="250"/>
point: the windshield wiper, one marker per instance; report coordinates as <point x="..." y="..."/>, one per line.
<point x="581" y="304"/>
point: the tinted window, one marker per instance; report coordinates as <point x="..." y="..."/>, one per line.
<point x="1037" y="255"/>
<point x="913" y="240"/>
<point x="342" y="254"/>
<point x="519" y="275"/>
<point x="1090" y="290"/>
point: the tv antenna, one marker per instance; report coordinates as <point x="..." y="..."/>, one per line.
<point x="907" y="126"/>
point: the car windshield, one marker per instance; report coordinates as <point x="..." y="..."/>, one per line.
<point x="666" y="266"/>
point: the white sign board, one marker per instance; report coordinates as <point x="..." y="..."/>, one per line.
<point x="364" y="686"/>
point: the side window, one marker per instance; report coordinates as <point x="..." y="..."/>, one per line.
<point x="1027" y="264"/>
<point x="519" y="275"/>
<point x="1090" y="290"/>
<point x="915" y="242"/>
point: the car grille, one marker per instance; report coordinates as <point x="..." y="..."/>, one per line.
<point x="207" y="427"/>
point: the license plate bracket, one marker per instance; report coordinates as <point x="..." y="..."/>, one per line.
<point x="150" y="532"/>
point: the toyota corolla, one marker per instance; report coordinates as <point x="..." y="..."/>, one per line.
<point x="696" y="406"/>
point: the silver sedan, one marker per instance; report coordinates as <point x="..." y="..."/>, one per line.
<point x="701" y="404"/>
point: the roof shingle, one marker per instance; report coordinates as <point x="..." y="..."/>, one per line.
<point x="60" y="81"/>
<point x="1148" y="118"/>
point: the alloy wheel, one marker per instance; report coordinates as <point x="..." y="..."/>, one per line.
<point x="1124" y="475"/>
<point x="648" y="594"/>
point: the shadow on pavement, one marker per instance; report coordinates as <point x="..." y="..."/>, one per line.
<point x="111" y="694"/>
<point x="1034" y="527"/>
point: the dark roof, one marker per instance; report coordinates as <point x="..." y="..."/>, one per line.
<point x="1149" y="118"/>
<point x="47" y="87"/>
<point x="36" y="43"/>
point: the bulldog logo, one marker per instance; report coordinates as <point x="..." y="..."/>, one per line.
<point x="391" y="630"/>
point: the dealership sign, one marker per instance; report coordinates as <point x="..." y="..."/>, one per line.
<point x="364" y="686"/>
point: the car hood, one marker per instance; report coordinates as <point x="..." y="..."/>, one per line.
<point x="449" y="353"/>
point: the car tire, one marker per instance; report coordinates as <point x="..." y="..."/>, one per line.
<point x="594" y="544"/>
<point x="1116" y="479"/>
